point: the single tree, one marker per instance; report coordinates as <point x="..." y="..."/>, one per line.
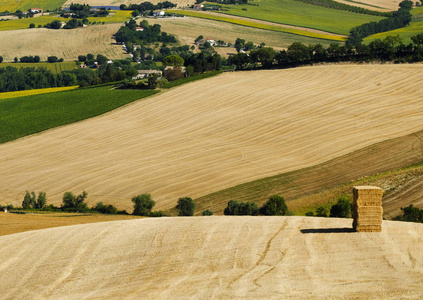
<point x="143" y="204"/>
<point x="185" y="206"/>
<point x="275" y="206"/>
<point x="341" y="209"/>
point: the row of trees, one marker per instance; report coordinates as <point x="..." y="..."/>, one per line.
<point x="146" y="8"/>
<point x="275" y="206"/>
<point x="398" y="19"/>
<point x="389" y="49"/>
<point x="410" y="214"/>
<point x="13" y="79"/>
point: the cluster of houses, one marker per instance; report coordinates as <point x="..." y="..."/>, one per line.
<point x="95" y="65"/>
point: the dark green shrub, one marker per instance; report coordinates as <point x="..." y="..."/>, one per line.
<point x="185" y="206"/>
<point x="342" y="208"/>
<point x="72" y="203"/>
<point x="207" y="212"/>
<point x="236" y="208"/>
<point x="142" y="205"/>
<point x="275" y="206"/>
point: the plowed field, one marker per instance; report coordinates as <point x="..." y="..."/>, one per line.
<point x="214" y="257"/>
<point x="213" y="134"/>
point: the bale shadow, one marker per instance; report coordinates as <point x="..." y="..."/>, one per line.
<point x="328" y="230"/>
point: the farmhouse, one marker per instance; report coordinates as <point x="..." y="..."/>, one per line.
<point x="159" y="13"/>
<point x="36" y="10"/>
<point x="198" y="6"/>
<point x="139" y="29"/>
<point x="145" y="73"/>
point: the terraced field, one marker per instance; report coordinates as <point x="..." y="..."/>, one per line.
<point x="68" y="44"/>
<point x="214" y="257"/>
<point x="216" y="133"/>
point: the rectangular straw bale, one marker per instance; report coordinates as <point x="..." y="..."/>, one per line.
<point x="369" y="210"/>
<point x="367" y="196"/>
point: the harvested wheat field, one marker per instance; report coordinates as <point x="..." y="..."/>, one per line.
<point x="214" y="257"/>
<point x="68" y="44"/>
<point x="216" y="133"/>
<point x="378" y="5"/>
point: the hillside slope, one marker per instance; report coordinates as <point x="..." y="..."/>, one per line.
<point x="213" y="134"/>
<point x="213" y="257"/>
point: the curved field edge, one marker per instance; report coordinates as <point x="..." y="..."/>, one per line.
<point x="306" y="188"/>
<point x="35" y="113"/>
<point x="227" y="257"/>
<point x="253" y="24"/>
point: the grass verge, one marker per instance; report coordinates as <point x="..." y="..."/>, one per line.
<point x="31" y="114"/>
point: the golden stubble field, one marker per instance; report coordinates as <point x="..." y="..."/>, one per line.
<point x="214" y="257"/>
<point x="213" y="134"/>
<point x="382" y="5"/>
<point x="68" y="44"/>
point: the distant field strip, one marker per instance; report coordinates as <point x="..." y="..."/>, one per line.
<point x="23" y="5"/>
<point x="216" y="133"/>
<point x="255" y="24"/>
<point x="296" y="13"/>
<point x="116" y="16"/>
<point x="54" y="67"/>
<point x="9" y="95"/>
<point x="388" y="5"/>
<point x="180" y="3"/>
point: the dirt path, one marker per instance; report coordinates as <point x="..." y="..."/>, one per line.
<point x="213" y="134"/>
<point x="214" y="257"/>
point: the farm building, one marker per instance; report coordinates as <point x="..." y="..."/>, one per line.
<point x="145" y="73"/>
<point x="159" y="13"/>
<point x="198" y="6"/>
<point x="139" y="29"/>
<point x="36" y="10"/>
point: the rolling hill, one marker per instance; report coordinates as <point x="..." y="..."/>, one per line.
<point x="216" y="133"/>
<point x="214" y="257"/>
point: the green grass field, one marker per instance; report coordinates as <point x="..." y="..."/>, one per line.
<point x="116" y="16"/>
<point x="415" y="27"/>
<point x="25" y="4"/>
<point x="31" y="114"/>
<point x="54" y="67"/>
<point x="260" y="26"/>
<point x="301" y="14"/>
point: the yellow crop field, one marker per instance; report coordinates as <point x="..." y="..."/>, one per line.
<point x="23" y="5"/>
<point x="67" y="44"/>
<point x="216" y="133"/>
<point x="214" y="257"/>
<point x="16" y="94"/>
<point x="260" y="25"/>
<point x="24" y="23"/>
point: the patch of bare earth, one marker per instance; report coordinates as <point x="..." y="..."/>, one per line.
<point x="216" y="133"/>
<point x="214" y="257"/>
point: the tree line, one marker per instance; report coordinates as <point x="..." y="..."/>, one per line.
<point x="146" y="8"/>
<point x="13" y="79"/>
<point x="398" y="19"/>
<point x="390" y="48"/>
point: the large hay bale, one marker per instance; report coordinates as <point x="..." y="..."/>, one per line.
<point x="367" y="209"/>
